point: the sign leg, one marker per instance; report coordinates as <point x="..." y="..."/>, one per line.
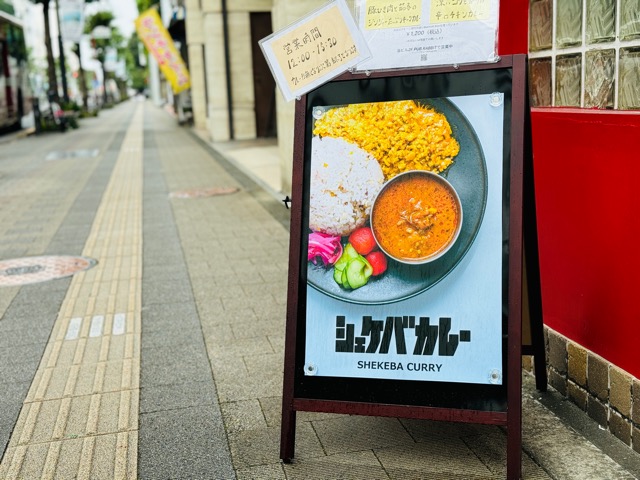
<point x="514" y="437"/>
<point x="534" y="284"/>
<point x="288" y="434"/>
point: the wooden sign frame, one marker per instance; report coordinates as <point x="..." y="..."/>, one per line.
<point x="473" y="403"/>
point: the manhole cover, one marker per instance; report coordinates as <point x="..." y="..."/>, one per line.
<point x="203" y="192"/>
<point x="23" y="271"/>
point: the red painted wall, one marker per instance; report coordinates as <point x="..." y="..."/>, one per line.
<point x="513" y="27"/>
<point x="587" y="174"/>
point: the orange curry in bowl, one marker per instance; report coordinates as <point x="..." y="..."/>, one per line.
<point x="416" y="217"/>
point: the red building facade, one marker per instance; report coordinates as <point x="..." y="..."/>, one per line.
<point x="586" y="170"/>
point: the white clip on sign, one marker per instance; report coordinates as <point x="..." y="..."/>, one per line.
<point x="421" y="33"/>
<point x="314" y="50"/>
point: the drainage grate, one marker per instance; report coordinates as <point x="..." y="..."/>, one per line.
<point x="203" y="192"/>
<point x="57" y="155"/>
<point x="23" y="271"/>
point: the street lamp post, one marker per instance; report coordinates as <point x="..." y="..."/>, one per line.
<point x="63" y="69"/>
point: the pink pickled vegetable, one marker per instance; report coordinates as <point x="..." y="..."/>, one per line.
<point x="324" y="246"/>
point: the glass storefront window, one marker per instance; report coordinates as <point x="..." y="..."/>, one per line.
<point x="629" y="93"/>
<point x="599" y="78"/>
<point x="601" y="21"/>
<point x="629" y="19"/>
<point x="540" y="81"/>
<point x="540" y="33"/>
<point x="585" y="53"/>
<point x="569" y="23"/>
<point x="568" y="80"/>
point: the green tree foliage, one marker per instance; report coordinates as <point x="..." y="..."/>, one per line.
<point x="115" y="40"/>
<point x="136" y="72"/>
<point x="100" y="19"/>
<point x="6" y="7"/>
<point x="146" y="4"/>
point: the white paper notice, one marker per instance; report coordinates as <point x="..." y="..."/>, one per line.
<point x="314" y="50"/>
<point x="419" y="33"/>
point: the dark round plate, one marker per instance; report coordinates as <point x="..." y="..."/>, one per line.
<point x="468" y="175"/>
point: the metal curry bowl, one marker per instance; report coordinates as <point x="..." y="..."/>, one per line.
<point x="416" y="217"/>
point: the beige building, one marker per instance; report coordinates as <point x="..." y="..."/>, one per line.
<point x="233" y="93"/>
<point x="598" y="374"/>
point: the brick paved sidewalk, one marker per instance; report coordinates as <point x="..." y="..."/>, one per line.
<point x="164" y="360"/>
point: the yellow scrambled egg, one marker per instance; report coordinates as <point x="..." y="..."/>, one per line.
<point x="400" y="135"/>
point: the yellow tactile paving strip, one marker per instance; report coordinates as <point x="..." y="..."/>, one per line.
<point x="80" y="417"/>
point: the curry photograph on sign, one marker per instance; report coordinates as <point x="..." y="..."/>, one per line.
<point x="405" y="240"/>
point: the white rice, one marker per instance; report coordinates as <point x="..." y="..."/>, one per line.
<point x="344" y="183"/>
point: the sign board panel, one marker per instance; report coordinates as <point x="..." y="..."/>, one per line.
<point x="314" y="49"/>
<point x="438" y="339"/>
<point x="420" y="33"/>
<point x="438" y="322"/>
<point x="420" y="319"/>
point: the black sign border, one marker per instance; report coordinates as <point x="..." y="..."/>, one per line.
<point x="491" y="404"/>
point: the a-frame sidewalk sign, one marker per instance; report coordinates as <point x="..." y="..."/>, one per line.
<point x="440" y="340"/>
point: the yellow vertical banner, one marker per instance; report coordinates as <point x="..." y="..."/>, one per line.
<point x="157" y="40"/>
